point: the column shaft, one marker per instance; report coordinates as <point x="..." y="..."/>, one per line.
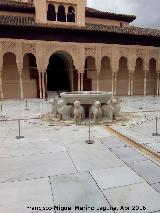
<point x="132" y="84"/>
<point x="98" y="81"/>
<point x="157" y="83"/>
<point x="145" y="84"/>
<point x="1" y="86"/>
<point x="40" y="85"/>
<point x="115" y="83"/>
<point x="43" y="85"/>
<point x="21" y="84"/>
<point x="81" y="81"/>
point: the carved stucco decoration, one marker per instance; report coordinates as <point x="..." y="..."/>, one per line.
<point x="140" y="53"/>
<point x="90" y="51"/>
<point x="106" y="51"/>
<point x="154" y="53"/>
<point x="123" y="52"/>
<point x="29" y="48"/>
<point x="50" y="49"/>
<point x="8" y="46"/>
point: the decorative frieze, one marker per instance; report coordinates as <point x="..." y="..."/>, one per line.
<point x="90" y="51"/>
<point x="29" y="48"/>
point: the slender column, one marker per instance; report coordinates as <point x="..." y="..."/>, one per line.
<point x="129" y="84"/>
<point x="56" y="10"/>
<point x="115" y="84"/>
<point x="158" y="83"/>
<point x="81" y="81"/>
<point x="145" y="84"/>
<point x="66" y="11"/>
<point x="1" y="86"/>
<point x="98" y="73"/>
<point x="43" y="85"/>
<point x="21" y="84"/>
<point x="40" y="84"/>
<point x="132" y="84"/>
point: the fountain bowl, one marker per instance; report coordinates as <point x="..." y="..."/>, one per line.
<point x="86" y="97"/>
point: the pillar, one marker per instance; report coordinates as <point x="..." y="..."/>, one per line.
<point x="132" y="75"/>
<point x="40" y="84"/>
<point x="43" y="85"/>
<point x="130" y="84"/>
<point x="115" y="84"/>
<point x="1" y="86"/>
<point x="81" y="81"/>
<point x="21" y="84"/>
<point x="56" y="10"/>
<point x="98" y="74"/>
<point x="66" y="11"/>
<point x="145" y="83"/>
<point x="158" y="83"/>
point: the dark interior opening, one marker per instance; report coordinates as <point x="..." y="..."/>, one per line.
<point x="58" y="75"/>
<point x="71" y="14"/>
<point x="51" y="13"/>
<point x="61" y="16"/>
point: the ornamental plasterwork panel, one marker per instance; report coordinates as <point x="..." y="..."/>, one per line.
<point x="29" y="48"/>
<point x="123" y="52"/>
<point x="90" y="51"/>
<point x="106" y="51"/>
<point x="154" y="53"/>
<point x="140" y="53"/>
<point x="8" y="46"/>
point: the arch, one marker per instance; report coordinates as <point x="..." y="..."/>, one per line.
<point x="138" y="82"/>
<point x="151" y="78"/>
<point x="30" y="76"/>
<point x="71" y="14"/>
<point x="90" y="74"/>
<point x="51" y="13"/>
<point x="10" y="77"/>
<point x="60" y="72"/>
<point x="61" y="16"/>
<point x="105" y="74"/>
<point x="122" y="77"/>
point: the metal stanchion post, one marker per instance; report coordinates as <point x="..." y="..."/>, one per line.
<point x="26" y="105"/>
<point x="89" y="141"/>
<point x="19" y="131"/>
<point x="156" y="134"/>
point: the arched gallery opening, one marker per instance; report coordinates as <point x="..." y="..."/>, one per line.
<point x="30" y="77"/>
<point x="105" y="77"/>
<point x="61" y="16"/>
<point x="151" y="78"/>
<point x="10" y="77"/>
<point x="90" y="74"/>
<point x="51" y="13"/>
<point x="60" y="73"/>
<point x="138" y="85"/>
<point x="122" y="77"/>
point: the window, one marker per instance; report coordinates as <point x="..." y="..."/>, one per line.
<point x="61" y="16"/>
<point x="121" y="24"/>
<point x="71" y="14"/>
<point x="51" y="14"/>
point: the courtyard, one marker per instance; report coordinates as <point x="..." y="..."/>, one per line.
<point x="52" y="169"/>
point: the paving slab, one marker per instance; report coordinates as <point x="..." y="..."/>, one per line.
<point x="35" y="166"/>
<point x="15" y="197"/>
<point x="148" y="170"/>
<point x="156" y="186"/>
<point x="91" y="157"/>
<point x="115" y="177"/>
<point x="112" y="142"/>
<point x="128" y="155"/>
<point x="136" y="195"/>
<point x="77" y="190"/>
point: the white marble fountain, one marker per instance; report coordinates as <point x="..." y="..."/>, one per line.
<point x="78" y="105"/>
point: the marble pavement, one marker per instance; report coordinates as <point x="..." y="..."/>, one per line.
<point x="54" y="170"/>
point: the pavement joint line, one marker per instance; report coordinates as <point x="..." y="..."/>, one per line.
<point x="101" y="190"/>
<point x="51" y="189"/>
<point x="139" y="147"/>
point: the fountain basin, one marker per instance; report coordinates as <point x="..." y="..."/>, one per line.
<point x="86" y="97"/>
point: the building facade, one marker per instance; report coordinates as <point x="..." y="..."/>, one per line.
<point x="47" y="45"/>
